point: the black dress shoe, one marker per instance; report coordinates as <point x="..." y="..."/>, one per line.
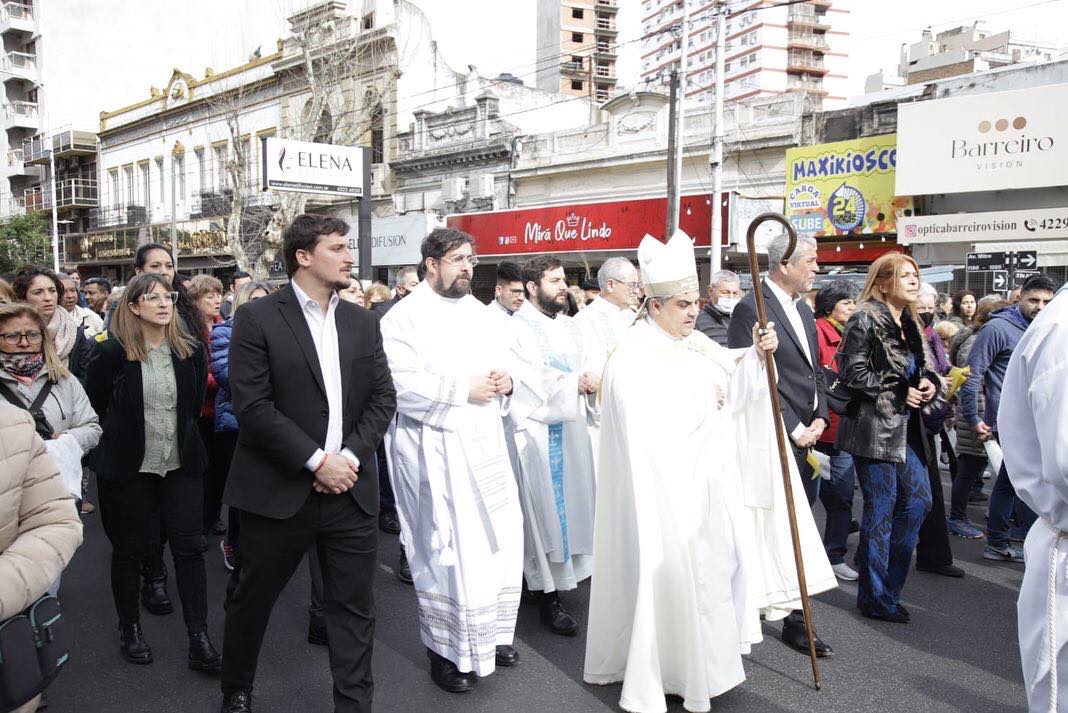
<point x="946" y="570"/>
<point x="132" y="644"/>
<point x="202" y="654"/>
<point x="507" y="656"/>
<point x="795" y="636"/>
<point x="447" y="677"/>
<point x="237" y="702"/>
<point x="388" y="522"/>
<point x="554" y="616"/>
<point x="898" y="617"/>
<point x="404" y="572"/>
<point x="154" y="596"/>
<point x="904" y="612"/>
<point x="317" y="632"/>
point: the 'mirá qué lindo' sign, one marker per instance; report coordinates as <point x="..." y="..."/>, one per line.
<point x="616" y="225"/>
<point x="306" y="167"/>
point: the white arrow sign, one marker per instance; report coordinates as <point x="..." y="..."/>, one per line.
<point x="1001" y="281"/>
<point x="1028" y="260"/>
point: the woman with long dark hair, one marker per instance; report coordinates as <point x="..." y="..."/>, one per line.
<point x="964" y="305"/>
<point x="147" y="384"/>
<point x="41" y="288"/>
<point x="883" y="362"/>
<point x="157" y="258"/>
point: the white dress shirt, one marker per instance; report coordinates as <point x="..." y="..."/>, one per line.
<point x="323" y="330"/>
<point x="789" y="307"/>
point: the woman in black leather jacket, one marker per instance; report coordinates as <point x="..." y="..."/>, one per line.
<point x="882" y="361"/>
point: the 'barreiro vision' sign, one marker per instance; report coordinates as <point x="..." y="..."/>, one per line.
<point x="306" y="167"/>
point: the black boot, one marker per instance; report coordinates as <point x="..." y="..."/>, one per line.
<point x="154" y="596"/>
<point x="237" y="702"/>
<point x="132" y="644"/>
<point x="404" y="572"/>
<point x="795" y="636"/>
<point x="447" y="677"/>
<point x="202" y="654"/>
<point x="553" y="614"/>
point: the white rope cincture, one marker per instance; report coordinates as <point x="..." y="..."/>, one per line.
<point x="1051" y="618"/>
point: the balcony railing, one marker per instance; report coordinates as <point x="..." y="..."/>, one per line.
<point x="803" y="62"/>
<point x="607" y="5"/>
<point x="605" y="48"/>
<point x="17" y="10"/>
<point x="807" y="39"/>
<point x="604" y="72"/>
<point x="603" y="96"/>
<point x="14" y="158"/>
<point x="20" y="109"/>
<point x="604" y="23"/>
<point x="65" y="143"/>
<point x="811" y="19"/>
<point x="70" y="192"/>
<point x="572" y="67"/>
<point x="20" y="60"/>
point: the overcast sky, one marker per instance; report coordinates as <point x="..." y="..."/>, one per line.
<point x="112" y="52"/>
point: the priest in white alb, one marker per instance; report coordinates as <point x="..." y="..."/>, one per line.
<point x="692" y="541"/>
<point x="508" y="294"/>
<point x="457" y="500"/>
<point x="549" y="418"/>
<point x="607" y="318"/>
<point x="1033" y="424"/>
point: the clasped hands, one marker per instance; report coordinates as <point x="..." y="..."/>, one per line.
<point x="916" y="397"/>
<point x="336" y="474"/>
<point x="484" y="388"/>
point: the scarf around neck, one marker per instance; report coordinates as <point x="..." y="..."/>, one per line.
<point x="63" y="329"/>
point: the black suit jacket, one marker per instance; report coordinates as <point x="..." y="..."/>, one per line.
<point x="798" y="377"/>
<point x="280" y="402"/>
<point x="116" y="391"/>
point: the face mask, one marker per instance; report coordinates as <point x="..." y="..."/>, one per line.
<point x="23" y="364"/>
<point x="727" y="304"/>
<point x="927" y="318"/>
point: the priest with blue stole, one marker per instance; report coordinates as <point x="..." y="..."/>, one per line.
<point x="691" y="541"/>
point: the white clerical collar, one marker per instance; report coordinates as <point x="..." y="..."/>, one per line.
<point x="304" y="300"/>
<point x="502" y="307"/>
<point x="659" y="331"/>
<point x="780" y="294"/>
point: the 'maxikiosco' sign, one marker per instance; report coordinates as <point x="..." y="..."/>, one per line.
<point x="307" y="167"/>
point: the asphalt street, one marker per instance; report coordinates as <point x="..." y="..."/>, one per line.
<point x="958" y="654"/>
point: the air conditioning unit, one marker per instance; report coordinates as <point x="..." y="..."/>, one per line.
<point x="452" y="189"/>
<point x="482" y="186"/>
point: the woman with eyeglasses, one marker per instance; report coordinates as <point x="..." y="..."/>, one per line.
<point x="42" y="289"/>
<point x="157" y="259"/>
<point x="147" y="384"/>
<point x="33" y="378"/>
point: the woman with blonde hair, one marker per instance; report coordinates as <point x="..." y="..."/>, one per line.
<point x="376" y="298"/>
<point x="6" y="293"/>
<point x="147" y="384"/>
<point x="884" y="364"/>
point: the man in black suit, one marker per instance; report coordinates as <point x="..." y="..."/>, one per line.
<point x="801" y="389"/>
<point x="314" y="396"/>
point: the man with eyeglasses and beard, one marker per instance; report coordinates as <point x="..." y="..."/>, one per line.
<point x="456" y="493"/>
<point x="548" y="418"/>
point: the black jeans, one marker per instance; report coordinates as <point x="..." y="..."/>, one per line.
<point x="969" y="470"/>
<point x="933" y="549"/>
<point x="386" y="500"/>
<point x="131" y="513"/>
<point x="215" y="475"/>
<point x="225" y="442"/>
<point x="346" y="540"/>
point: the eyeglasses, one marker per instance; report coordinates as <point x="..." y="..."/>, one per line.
<point x="13" y="338"/>
<point x="632" y="286"/>
<point x="157" y="298"/>
<point x="458" y="260"/>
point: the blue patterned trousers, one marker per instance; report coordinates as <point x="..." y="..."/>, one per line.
<point x="897" y="497"/>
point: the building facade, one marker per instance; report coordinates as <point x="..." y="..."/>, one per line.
<point x="23" y="109"/>
<point x="578" y="47"/>
<point x="770" y="49"/>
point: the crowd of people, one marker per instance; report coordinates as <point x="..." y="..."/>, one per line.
<point x="516" y="462"/>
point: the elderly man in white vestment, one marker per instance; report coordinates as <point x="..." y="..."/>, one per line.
<point x="692" y="540"/>
<point x="549" y="420"/>
<point x="607" y="318"/>
<point x="457" y="499"/>
<point x="1033" y="419"/>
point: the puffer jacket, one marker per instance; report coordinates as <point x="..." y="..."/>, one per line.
<point x="967" y="439"/>
<point x="39" y="527"/>
<point x="67" y="408"/>
<point x="872" y="363"/>
<point x="225" y="421"/>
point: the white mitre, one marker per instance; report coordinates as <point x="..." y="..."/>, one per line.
<point x="668" y="269"/>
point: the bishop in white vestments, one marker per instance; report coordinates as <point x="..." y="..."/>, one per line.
<point x="692" y="541"/>
<point x="1033" y="423"/>
<point x="549" y="418"/>
<point x="457" y="499"/>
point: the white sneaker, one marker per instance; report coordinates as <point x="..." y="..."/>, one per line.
<point x="845" y="572"/>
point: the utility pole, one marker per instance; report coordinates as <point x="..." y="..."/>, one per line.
<point x="174" y="216"/>
<point x="672" y="185"/>
<point x="363" y="247"/>
<point x="715" y="250"/>
<point x="677" y="129"/>
<point x="55" y="202"/>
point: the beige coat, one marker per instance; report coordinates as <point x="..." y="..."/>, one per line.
<point x="39" y="527"/>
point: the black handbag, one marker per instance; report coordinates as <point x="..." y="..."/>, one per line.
<point x="34" y="647"/>
<point x="838" y="394"/>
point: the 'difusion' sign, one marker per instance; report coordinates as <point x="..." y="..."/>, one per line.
<point x="306" y="167"/>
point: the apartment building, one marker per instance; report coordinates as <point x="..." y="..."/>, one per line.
<point x="967" y="49"/>
<point x="23" y="96"/>
<point x="578" y="47"/>
<point x="771" y="49"/>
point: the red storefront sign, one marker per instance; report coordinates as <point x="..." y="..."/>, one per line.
<point x="617" y="225"/>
